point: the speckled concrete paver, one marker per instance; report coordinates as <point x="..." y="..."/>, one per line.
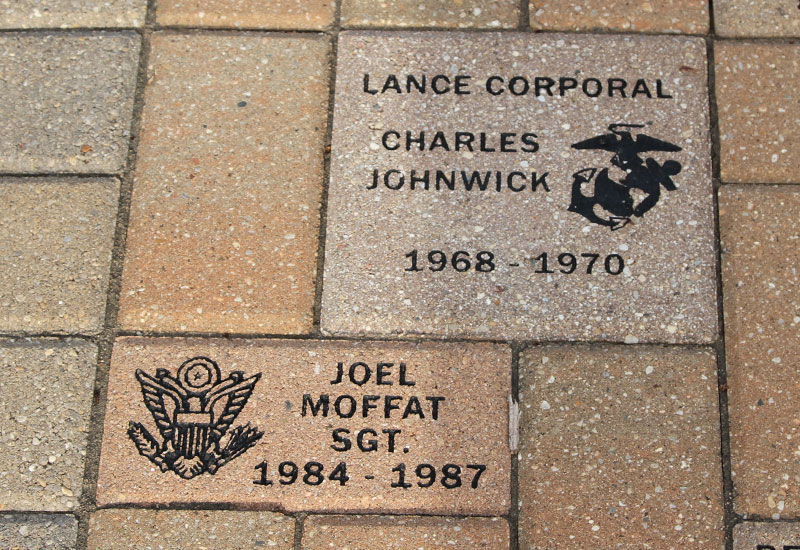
<point x="504" y="240"/>
<point x="46" y="388"/>
<point x="766" y="536"/>
<point x="619" y="449"/>
<point x="274" y="14"/>
<point x="225" y="210"/>
<point x="401" y="533"/>
<point x="673" y="16"/>
<point x="759" y="111"/>
<point x="743" y="18"/>
<point x="409" y="428"/>
<point x="485" y="14"/>
<point x="189" y="530"/>
<point x="38" y="532"/>
<point x="55" y="248"/>
<point x="33" y="14"/>
<point x="67" y="101"/>
<point x="760" y="233"/>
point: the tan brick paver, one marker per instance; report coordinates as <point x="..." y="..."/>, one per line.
<point x="225" y="210"/>
<point x="619" y="448"/>
<point x="55" y="248"/>
<point x="189" y="530"/>
<point x="67" y="101"/>
<point x="45" y="400"/>
<point x="271" y="14"/>
<point x="400" y="533"/>
<point x="32" y="14"/>
<point x="759" y="111"/>
<point x="487" y="14"/>
<point x="760" y="235"/>
<point x="673" y="16"/>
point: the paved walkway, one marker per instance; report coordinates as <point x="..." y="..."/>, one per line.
<point x="311" y="274"/>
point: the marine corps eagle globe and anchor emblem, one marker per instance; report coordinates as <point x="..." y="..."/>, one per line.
<point x="614" y="203"/>
<point x="193" y="412"/>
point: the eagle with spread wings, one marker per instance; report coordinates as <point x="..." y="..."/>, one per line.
<point x="193" y="412"/>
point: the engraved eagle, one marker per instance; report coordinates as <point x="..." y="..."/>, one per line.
<point x="193" y="412"/>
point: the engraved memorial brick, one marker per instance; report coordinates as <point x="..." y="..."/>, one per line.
<point x="308" y="426"/>
<point x="520" y="186"/>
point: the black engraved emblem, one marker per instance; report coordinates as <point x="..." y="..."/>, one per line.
<point x="193" y="412"/>
<point x="614" y="203"/>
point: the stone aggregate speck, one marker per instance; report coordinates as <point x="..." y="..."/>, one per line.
<point x="760" y="235"/>
<point x="33" y="14"/>
<point x="487" y="14"/>
<point x="402" y="533"/>
<point x="619" y="448"/>
<point x="665" y="294"/>
<point x="225" y="210"/>
<point x="38" y="532"/>
<point x="273" y="14"/>
<point x="55" y="248"/>
<point x="46" y="394"/>
<point x="761" y="18"/>
<point x="189" y="530"/>
<point x="471" y="426"/>
<point x="67" y="101"/>
<point x="673" y="16"/>
<point x="759" y="111"/>
<point x="766" y="536"/>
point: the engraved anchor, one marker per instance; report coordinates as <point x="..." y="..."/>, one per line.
<point x="193" y="412"/>
<point x="613" y="204"/>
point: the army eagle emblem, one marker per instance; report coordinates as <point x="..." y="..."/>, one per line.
<point x="193" y="412"/>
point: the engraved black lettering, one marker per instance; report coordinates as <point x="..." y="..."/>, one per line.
<point x="320" y="406"/>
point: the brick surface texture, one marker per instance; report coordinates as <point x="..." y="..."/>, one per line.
<point x="619" y="446"/>
<point x="760" y="233"/>
<point x="224" y="226"/>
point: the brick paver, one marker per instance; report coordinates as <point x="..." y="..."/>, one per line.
<point x="405" y="428"/>
<point x="512" y="246"/>
<point x="225" y="211"/>
<point x="46" y="390"/>
<point x="759" y="111"/>
<point x="67" y="101"/>
<point x="491" y="14"/>
<point x="744" y="18"/>
<point x="400" y="533"/>
<point x="619" y="448"/>
<point x="760" y="230"/>
<point x="274" y="14"/>
<point x="497" y="210"/>
<point x="674" y="16"/>
<point x="766" y="536"/>
<point x="38" y="532"/>
<point x="189" y="530"/>
<point x="55" y="248"/>
<point x="36" y="14"/>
